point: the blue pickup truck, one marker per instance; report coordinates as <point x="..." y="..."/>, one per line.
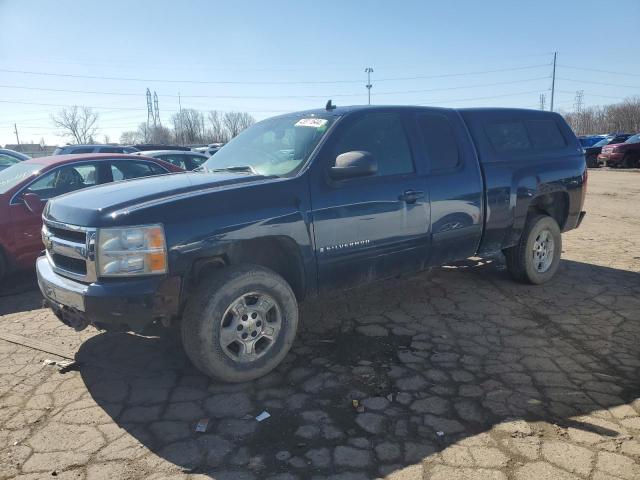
<point x="304" y="203"/>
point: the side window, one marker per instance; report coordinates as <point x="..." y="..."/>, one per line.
<point x="508" y="136"/>
<point x="440" y="142"/>
<point x="80" y="150"/>
<point x="126" y="170"/>
<point x="65" y="179"/>
<point x="197" y="160"/>
<point x="382" y="135"/>
<point x="177" y="160"/>
<point x="545" y="134"/>
<point x="110" y="149"/>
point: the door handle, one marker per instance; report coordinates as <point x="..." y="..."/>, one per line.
<point x="411" y="196"/>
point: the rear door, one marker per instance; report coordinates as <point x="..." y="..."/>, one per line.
<point x="455" y="185"/>
<point x="370" y="227"/>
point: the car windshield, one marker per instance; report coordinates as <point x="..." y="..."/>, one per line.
<point x="634" y="139"/>
<point x="12" y="176"/>
<point x="603" y="142"/>
<point x="277" y="146"/>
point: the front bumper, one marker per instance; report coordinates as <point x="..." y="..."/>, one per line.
<point x="610" y="158"/>
<point x="123" y="304"/>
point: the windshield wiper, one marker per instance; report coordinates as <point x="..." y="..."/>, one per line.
<point x="237" y="168"/>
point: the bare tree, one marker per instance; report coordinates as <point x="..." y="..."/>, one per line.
<point x="235" y="122"/>
<point x="188" y="125"/>
<point x="76" y="122"/>
<point x="618" y="117"/>
<point x="217" y="132"/>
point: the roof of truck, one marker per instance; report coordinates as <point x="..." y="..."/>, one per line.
<point x="342" y="110"/>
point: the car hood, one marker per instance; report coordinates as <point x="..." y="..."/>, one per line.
<point x="88" y="206"/>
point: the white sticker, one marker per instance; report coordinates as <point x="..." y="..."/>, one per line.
<point x="311" y="122"/>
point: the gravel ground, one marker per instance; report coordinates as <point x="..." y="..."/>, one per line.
<point x="457" y="374"/>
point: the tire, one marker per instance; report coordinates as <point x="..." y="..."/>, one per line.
<point x="522" y="262"/>
<point x="630" y="162"/>
<point x="208" y="323"/>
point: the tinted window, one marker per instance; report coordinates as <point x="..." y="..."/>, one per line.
<point x="634" y="139"/>
<point x="126" y="170"/>
<point x="508" y="136"/>
<point x="111" y="150"/>
<point x="440" y="141"/>
<point x="197" y="160"/>
<point x="78" y="150"/>
<point x="382" y="135"/>
<point x="65" y="179"/>
<point x="545" y="134"/>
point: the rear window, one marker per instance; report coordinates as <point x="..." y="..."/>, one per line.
<point x="525" y="136"/>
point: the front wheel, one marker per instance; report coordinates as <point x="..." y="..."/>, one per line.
<point x="536" y="257"/>
<point x="240" y="323"/>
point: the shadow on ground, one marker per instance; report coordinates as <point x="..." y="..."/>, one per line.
<point x="433" y="360"/>
<point x="23" y="288"/>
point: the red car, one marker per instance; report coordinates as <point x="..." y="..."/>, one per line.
<point x="625" y="154"/>
<point x="26" y="186"/>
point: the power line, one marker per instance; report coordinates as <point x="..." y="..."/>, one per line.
<point x="601" y="71"/>
<point x="599" y="83"/>
<point x="275" y="97"/>
<point x="286" y="82"/>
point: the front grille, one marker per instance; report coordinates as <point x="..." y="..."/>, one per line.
<point x="70" y="250"/>
<point x="69" y="264"/>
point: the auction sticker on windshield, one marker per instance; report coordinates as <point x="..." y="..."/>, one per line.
<point x="312" y="122"/>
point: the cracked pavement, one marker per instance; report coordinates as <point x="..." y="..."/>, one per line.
<point x="458" y="374"/>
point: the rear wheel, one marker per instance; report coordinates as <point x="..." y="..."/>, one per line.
<point x="536" y="257"/>
<point x="240" y="323"/>
<point x="629" y="161"/>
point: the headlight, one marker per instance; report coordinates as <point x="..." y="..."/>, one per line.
<point x="131" y="251"/>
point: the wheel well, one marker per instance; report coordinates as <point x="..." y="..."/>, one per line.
<point x="278" y="253"/>
<point x="555" y="204"/>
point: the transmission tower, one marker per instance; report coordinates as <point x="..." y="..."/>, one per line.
<point x="543" y="101"/>
<point x="149" y="110"/>
<point x="577" y="106"/>
<point x="369" y="71"/>
<point x="156" y="111"/>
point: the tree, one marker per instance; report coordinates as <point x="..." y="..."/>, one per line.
<point x="235" y="122"/>
<point x="188" y="125"/>
<point x="217" y="133"/>
<point x="144" y="134"/>
<point x="78" y="123"/>
<point x="618" y="117"/>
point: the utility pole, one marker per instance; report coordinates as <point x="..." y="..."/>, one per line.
<point x="15" y="128"/>
<point x="553" y="79"/>
<point x="369" y="71"/>
<point x="543" y="101"/>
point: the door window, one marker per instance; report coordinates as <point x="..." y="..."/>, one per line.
<point x="177" y="160"/>
<point x="382" y="135"/>
<point x="65" y="179"/>
<point x="126" y="170"/>
<point x="440" y="142"/>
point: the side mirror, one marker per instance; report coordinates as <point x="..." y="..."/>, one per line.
<point x="354" y="164"/>
<point x="32" y="201"/>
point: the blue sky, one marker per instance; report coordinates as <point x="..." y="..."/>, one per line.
<point x="274" y="56"/>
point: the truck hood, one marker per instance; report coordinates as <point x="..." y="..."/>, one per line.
<point x="86" y="207"/>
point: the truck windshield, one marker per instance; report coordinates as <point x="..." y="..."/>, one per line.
<point x="12" y="176"/>
<point x="277" y="146"/>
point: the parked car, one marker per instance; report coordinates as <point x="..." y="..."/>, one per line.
<point x="11" y="157"/>
<point x="25" y="188"/>
<point x="589" y="140"/>
<point x="305" y="203"/>
<point x="78" y="149"/>
<point x="187" y="160"/>
<point x="147" y="147"/>
<point x="591" y="153"/>
<point x="625" y="154"/>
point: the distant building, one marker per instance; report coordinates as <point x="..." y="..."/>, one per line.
<point x="32" y="149"/>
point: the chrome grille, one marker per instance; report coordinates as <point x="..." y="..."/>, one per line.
<point x="70" y="250"/>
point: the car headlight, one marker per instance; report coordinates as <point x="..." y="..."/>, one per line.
<point x="130" y="251"/>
